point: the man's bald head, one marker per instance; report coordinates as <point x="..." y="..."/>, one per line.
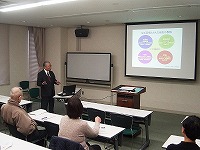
<point x="16" y="93"/>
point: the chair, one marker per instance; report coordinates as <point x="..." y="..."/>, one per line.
<point x="13" y="131"/>
<point x="123" y="121"/>
<point x="59" y="143"/>
<point x="24" y="85"/>
<point x="35" y="95"/>
<point x="51" y="128"/>
<point x="92" y="113"/>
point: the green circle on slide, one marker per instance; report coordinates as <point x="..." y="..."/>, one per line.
<point x="166" y="41"/>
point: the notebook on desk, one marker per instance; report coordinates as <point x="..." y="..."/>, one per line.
<point x="68" y="90"/>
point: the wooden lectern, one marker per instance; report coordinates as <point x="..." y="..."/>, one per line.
<point x="128" y="95"/>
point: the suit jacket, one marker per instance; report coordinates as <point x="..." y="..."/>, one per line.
<point x="47" y="89"/>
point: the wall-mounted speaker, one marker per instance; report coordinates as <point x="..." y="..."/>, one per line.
<point x="81" y="32"/>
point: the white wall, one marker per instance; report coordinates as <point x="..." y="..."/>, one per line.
<point x="55" y="49"/>
<point x="165" y="95"/>
<point x="18" y="54"/>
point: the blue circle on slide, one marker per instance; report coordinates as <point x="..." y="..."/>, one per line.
<point x="145" y="41"/>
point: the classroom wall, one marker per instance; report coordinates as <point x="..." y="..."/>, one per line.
<point x="55" y="50"/>
<point x="162" y="94"/>
<point x="18" y="54"/>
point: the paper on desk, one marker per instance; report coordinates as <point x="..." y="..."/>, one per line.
<point x="126" y="88"/>
<point x="38" y="112"/>
<point x="5" y="144"/>
<point x="44" y="116"/>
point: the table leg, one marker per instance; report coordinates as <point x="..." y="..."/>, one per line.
<point x="116" y="142"/>
<point x="147" y="141"/>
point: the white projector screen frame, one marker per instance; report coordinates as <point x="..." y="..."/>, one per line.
<point x="161" y="49"/>
<point x="88" y="66"/>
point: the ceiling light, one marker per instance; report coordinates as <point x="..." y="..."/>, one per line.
<point x="32" y="5"/>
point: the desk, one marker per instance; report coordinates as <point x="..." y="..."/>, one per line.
<point x="174" y="139"/>
<point x="126" y="97"/>
<point x="106" y="131"/>
<point x="65" y="98"/>
<point x="139" y="116"/>
<point x="27" y="104"/>
<point x="12" y="143"/>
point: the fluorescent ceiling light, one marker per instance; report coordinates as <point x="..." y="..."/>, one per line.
<point x="32" y="5"/>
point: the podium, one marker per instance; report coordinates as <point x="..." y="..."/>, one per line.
<point x="128" y="95"/>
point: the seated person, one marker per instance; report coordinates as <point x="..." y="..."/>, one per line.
<point x="12" y="113"/>
<point x="75" y="129"/>
<point x="190" y="131"/>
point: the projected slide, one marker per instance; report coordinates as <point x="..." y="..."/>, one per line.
<point x="157" y="48"/>
<point x="161" y="49"/>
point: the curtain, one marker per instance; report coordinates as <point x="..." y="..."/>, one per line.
<point x="39" y="40"/>
<point x="4" y="55"/>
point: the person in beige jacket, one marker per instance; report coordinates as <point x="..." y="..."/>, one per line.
<point x="75" y="129"/>
<point x="12" y="113"/>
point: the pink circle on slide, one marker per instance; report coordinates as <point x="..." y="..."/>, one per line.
<point x="165" y="57"/>
<point x="144" y="57"/>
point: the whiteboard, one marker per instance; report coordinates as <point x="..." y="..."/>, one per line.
<point x="89" y="66"/>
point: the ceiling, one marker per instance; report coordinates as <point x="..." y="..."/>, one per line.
<point x="100" y="12"/>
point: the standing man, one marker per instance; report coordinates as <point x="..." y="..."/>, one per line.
<point x="46" y="80"/>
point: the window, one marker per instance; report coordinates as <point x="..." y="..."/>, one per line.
<point x="33" y="63"/>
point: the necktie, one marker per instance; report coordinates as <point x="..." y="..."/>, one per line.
<point x="49" y="77"/>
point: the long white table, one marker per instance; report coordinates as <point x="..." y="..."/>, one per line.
<point x="140" y="116"/>
<point x="106" y="131"/>
<point x="27" y="104"/>
<point x="174" y="139"/>
<point x="11" y="143"/>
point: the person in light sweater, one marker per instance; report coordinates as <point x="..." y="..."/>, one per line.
<point x="75" y="129"/>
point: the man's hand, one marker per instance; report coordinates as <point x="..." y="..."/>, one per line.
<point x="58" y="82"/>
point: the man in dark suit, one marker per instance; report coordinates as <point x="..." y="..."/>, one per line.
<point x="46" y="80"/>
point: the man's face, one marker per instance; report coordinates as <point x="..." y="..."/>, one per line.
<point x="47" y="67"/>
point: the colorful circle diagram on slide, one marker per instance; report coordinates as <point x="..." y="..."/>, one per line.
<point x="164" y="57"/>
<point x="144" y="57"/>
<point x="145" y="41"/>
<point x="166" y="41"/>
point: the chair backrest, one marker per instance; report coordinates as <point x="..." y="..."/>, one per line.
<point x="92" y="113"/>
<point x="121" y="120"/>
<point x="34" y="92"/>
<point x="51" y="128"/>
<point x="59" y="143"/>
<point x="15" y="133"/>
<point x="24" y="84"/>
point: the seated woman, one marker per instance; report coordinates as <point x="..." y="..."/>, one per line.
<point x="75" y="129"/>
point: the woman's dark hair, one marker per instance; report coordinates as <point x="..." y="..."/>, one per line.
<point x="191" y="127"/>
<point x="74" y="108"/>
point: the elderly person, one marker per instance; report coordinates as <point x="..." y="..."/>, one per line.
<point x="75" y="129"/>
<point x="46" y="80"/>
<point x="12" y="113"/>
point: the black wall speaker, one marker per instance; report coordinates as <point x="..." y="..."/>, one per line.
<point x="81" y="32"/>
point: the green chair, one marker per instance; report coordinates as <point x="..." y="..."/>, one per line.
<point x="123" y="121"/>
<point x="24" y="85"/>
<point x="35" y="95"/>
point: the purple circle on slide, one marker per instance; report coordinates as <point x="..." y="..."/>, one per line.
<point x="145" y="41"/>
<point x="144" y="57"/>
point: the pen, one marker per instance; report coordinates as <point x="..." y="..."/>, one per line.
<point x="44" y="118"/>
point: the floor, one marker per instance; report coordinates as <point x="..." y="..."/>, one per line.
<point x="162" y="126"/>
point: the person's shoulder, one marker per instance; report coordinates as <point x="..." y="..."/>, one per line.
<point x="172" y="147"/>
